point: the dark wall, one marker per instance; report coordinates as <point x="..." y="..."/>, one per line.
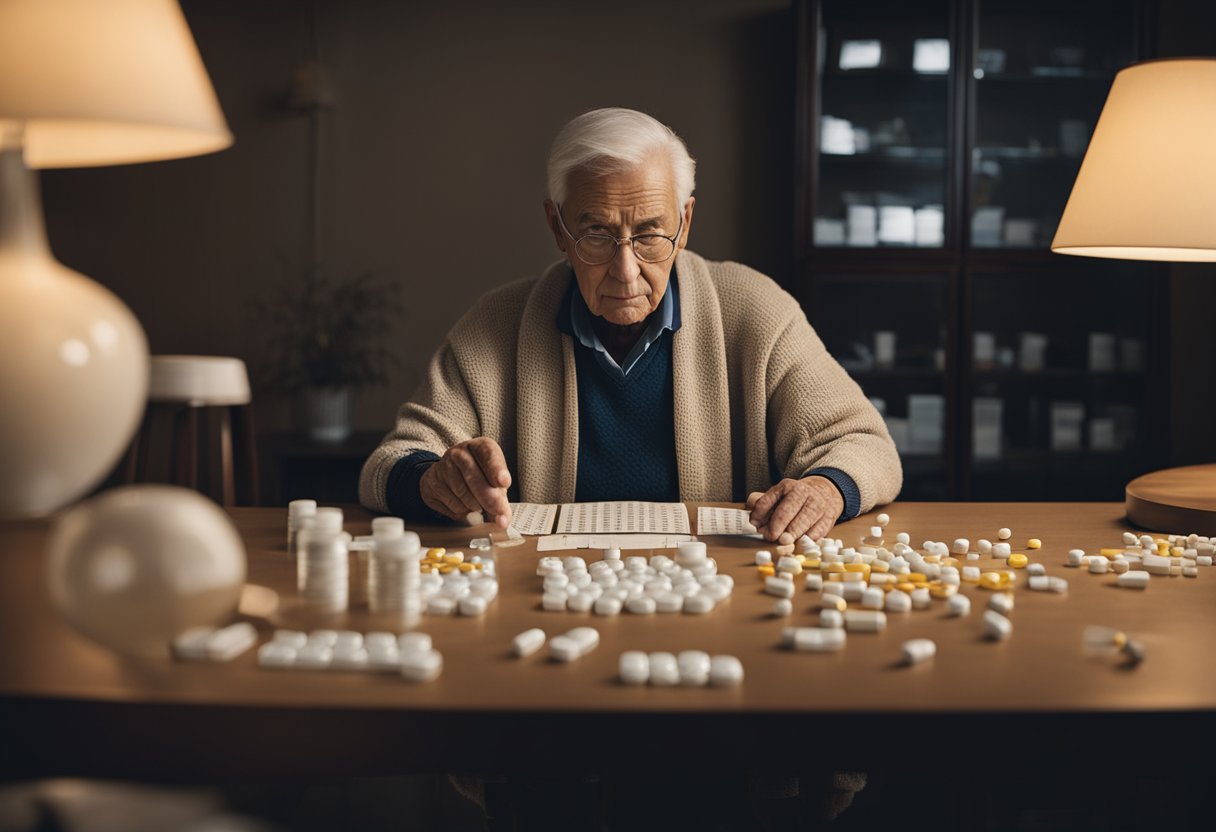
<point x="432" y="161"/>
<point x="432" y="164"/>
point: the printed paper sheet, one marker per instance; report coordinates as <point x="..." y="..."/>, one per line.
<point x="558" y="542"/>
<point x="623" y="517"/>
<point x="533" y="518"/>
<point x="733" y="521"/>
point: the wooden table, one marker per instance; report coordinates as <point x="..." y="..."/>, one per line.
<point x="68" y="707"/>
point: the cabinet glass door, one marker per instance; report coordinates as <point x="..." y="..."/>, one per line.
<point x="1041" y="73"/>
<point x="1063" y="406"/>
<point x="882" y="138"/>
<point x="889" y="333"/>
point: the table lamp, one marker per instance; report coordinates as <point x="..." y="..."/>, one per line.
<point x="82" y="83"/>
<point x="1147" y="191"/>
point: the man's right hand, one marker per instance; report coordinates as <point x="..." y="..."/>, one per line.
<point x="471" y="476"/>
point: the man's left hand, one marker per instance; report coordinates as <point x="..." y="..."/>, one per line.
<point x="807" y="506"/>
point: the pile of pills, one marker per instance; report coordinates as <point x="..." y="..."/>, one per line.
<point x="410" y="654"/>
<point x="1143" y="556"/>
<point x="690" y="583"/>
<point x="689" y="668"/>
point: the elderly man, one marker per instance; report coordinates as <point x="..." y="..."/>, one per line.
<point x="634" y="369"/>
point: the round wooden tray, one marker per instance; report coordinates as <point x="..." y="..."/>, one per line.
<point x="1178" y="500"/>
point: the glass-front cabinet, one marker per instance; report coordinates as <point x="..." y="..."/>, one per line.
<point x="937" y="141"/>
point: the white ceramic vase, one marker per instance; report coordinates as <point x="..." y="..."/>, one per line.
<point x="327" y="413"/>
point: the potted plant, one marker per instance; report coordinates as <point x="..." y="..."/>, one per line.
<point x="325" y="339"/>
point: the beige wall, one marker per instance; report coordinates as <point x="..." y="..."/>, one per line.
<point x="433" y="159"/>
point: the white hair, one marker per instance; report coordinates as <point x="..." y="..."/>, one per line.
<point x="615" y="139"/>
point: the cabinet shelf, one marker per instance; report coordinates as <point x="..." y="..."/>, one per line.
<point x="931" y="155"/>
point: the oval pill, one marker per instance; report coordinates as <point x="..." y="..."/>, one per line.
<point x="918" y="650"/>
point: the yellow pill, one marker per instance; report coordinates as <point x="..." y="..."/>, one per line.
<point x="933" y="558"/>
<point x="466" y="567"/>
<point x="1034" y="543"/>
<point x="917" y="577"/>
<point x="1110" y="553"/>
<point x="446" y="569"/>
<point x="424" y="568"/>
<point x="905" y="586"/>
<point x="1018" y="561"/>
<point x="857" y="567"/>
<point x="834" y="567"/>
<point x="991" y="580"/>
<point x="950" y="562"/>
<point x="942" y="590"/>
<point x="479" y="566"/>
<point x="880" y="566"/>
<point x="453" y="557"/>
<point x="766" y="571"/>
<point x="832" y="602"/>
<point x="837" y="576"/>
<point x="810" y="563"/>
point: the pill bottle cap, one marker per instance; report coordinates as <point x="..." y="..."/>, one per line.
<point x="327" y="519"/>
<point x="384" y="527"/>
<point x="300" y="508"/>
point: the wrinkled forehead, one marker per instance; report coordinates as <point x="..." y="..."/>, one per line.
<point x="609" y="189"/>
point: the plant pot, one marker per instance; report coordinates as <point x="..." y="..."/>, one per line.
<point x="327" y="413"/>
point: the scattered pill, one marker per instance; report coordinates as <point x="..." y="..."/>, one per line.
<point x="1134" y="579"/>
<point x="422" y="667"/>
<point x="996" y="626"/>
<point x="1017" y="560"/>
<point x="818" y="639"/>
<point x="882" y="520"/>
<point x="1004" y="534"/>
<point x="780" y="587"/>
<point x="984" y="546"/>
<point x="961" y="546"/>
<point x="528" y="642"/>
<point x="764" y="557"/>
<point x="865" y="621"/>
<point x="1001" y="602"/>
<point x="1001" y="550"/>
<point x="783" y="607"/>
<point x="832" y="619"/>
<point x="959" y="605"/>
<point x="917" y="650"/>
<point x="1034" y="543"/>
<point x="813" y="581"/>
<point x="1099" y="565"/>
<point x="634" y="667"/>
<point x="664" y="672"/>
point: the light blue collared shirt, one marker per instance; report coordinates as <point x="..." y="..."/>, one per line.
<point x="665" y="317"/>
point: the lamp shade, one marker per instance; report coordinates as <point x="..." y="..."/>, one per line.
<point x="103" y="83"/>
<point x="1147" y="186"/>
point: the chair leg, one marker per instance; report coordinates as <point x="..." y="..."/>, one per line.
<point x="227" y="479"/>
<point x="246" y="454"/>
<point x="185" y="447"/>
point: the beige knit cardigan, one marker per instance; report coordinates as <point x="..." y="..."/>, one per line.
<point x="753" y="385"/>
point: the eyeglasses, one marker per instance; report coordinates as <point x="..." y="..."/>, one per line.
<point x="598" y="249"/>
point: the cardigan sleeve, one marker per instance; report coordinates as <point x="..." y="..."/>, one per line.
<point x="820" y="418"/>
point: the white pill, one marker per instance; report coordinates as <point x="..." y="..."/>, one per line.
<point x="699" y="604"/>
<point x="349" y="658"/>
<point x="422" y="667"/>
<point x="790" y="564"/>
<point x="1001" y="550"/>
<point x="898" y="601"/>
<point x="413" y="642"/>
<point x="634" y="667"/>
<point x="292" y="638"/>
<point x="553" y="602"/>
<point x="971" y="574"/>
<point x="725" y="671"/>
<point x="997" y="626"/>
<point x="664" y="671"/>
<point x="1155" y="565"/>
<point x="1039" y="583"/>
<point x="876" y="532"/>
<point x="865" y="621"/>
<point x="564" y="648"/>
<point x="528" y="642"/>
<point x="1004" y="534"/>
<point x="1130" y="539"/>
<point x="904" y="538"/>
<point x="226" y="644"/>
<point x="831" y="619"/>
<point x="611" y="554"/>
<point x="813" y="581"/>
<point x="918" y="650"/>
<point x="783" y="607"/>
<point x="818" y="639"/>
<point x="1075" y="557"/>
<point x="694" y="668"/>
<point x="1036" y="569"/>
<point x="641" y="605"/>
<point x="780" y="587"/>
<point x="961" y="546"/>
<point x="1057" y="585"/>
<point x="958" y="605"/>
<point x="1203" y="560"/>
<point x="920" y="598"/>
<point x="1135" y="579"/>
<point x="276" y="654"/>
<point x="192" y="644"/>
<point x="763" y="557"/>
<point x="1190" y="571"/>
<point x="472" y="605"/>
<point x="1001" y="602"/>
<point x="1146" y="540"/>
<point x="324" y="637"/>
<point x="607" y="606"/>
<point x="872" y="599"/>
<point x="883" y="520"/>
<point x="314" y="656"/>
<point x="852" y="590"/>
<point x="440" y="605"/>
<point x="588" y="638"/>
<point x="984" y="547"/>
<point x="690" y="553"/>
<point x="580" y="602"/>
<point x="1099" y="565"/>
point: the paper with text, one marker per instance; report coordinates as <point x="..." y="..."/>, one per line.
<point x="623" y="517"/>
<point x="724" y="521"/>
<point x="533" y="518"/>
<point x="557" y="542"/>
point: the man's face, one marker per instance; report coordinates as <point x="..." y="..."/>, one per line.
<point x="624" y="290"/>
